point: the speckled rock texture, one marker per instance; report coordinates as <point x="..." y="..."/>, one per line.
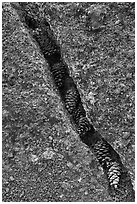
<point x="43" y="158"/>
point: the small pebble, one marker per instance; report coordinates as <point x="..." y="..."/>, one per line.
<point x="7" y="190"/>
<point x="69" y="164"/>
<point x="117" y="22"/>
<point x="50" y="138"/>
<point x="86" y="192"/>
<point x="11" y="178"/>
<point x="61" y="196"/>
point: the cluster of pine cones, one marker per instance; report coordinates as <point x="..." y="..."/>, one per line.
<point x="106" y="155"/>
